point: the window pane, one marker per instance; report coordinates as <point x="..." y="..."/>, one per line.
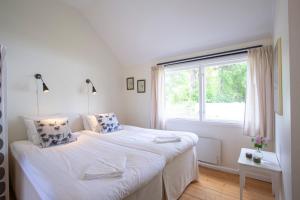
<point x="182" y="93"/>
<point x="225" y="90"/>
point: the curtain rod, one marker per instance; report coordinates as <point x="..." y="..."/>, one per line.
<point x="209" y="56"/>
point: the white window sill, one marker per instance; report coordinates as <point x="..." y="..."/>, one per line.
<point x="221" y="123"/>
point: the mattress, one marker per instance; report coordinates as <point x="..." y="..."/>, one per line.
<point x="177" y="174"/>
<point x="142" y="139"/>
<point x="24" y="190"/>
<point x="181" y="158"/>
<point x="55" y="172"/>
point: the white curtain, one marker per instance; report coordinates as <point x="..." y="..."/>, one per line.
<point x="259" y="112"/>
<point x="157" y="97"/>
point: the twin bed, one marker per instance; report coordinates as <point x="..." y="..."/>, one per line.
<point x="148" y="170"/>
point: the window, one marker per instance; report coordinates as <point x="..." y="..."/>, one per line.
<point x="182" y="93"/>
<point x="209" y="91"/>
<point x="225" y="90"/>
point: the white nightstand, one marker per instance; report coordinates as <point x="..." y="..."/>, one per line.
<point x="269" y="165"/>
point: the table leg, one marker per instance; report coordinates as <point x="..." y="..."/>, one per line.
<point x="273" y="181"/>
<point x="242" y="184"/>
<point x="275" y="184"/>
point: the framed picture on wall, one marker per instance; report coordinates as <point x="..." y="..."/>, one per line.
<point x="141" y="86"/>
<point x="278" y="78"/>
<point x="130" y="83"/>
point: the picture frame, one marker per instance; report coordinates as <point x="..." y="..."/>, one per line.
<point x="278" y="107"/>
<point x="130" y="83"/>
<point x="141" y="86"/>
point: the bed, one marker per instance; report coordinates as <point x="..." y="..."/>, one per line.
<point x="157" y="171"/>
<point x="181" y="159"/>
<point x="54" y="173"/>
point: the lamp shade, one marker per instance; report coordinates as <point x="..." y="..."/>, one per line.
<point x="88" y="81"/>
<point x="45" y="88"/>
<point x="39" y="77"/>
<point x="94" y="90"/>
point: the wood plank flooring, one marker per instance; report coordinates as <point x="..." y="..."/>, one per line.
<point x="216" y="185"/>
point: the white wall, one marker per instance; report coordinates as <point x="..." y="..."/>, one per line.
<point x="294" y="33"/>
<point x="51" y="38"/>
<point x="282" y="123"/>
<point x="138" y="111"/>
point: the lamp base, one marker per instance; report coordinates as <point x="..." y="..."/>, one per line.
<point x="38" y="76"/>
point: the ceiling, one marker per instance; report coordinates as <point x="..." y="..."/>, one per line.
<point x="144" y="31"/>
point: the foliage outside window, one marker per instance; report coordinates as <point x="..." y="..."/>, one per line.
<point x="225" y="91"/>
<point x="222" y="88"/>
<point x="182" y="93"/>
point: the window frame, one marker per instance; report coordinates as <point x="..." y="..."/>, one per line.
<point x="180" y="67"/>
<point x="201" y="65"/>
<point x="202" y="93"/>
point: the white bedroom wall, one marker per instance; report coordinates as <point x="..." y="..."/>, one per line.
<point x="283" y="123"/>
<point x="138" y="110"/>
<point x="51" y="38"/>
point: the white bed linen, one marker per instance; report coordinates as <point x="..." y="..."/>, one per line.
<point x="55" y="172"/>
<point x="179" y="173"/>
<point x="24" y="190"/>
<point x="181" y="158"/>
<point x="143" y="139"/>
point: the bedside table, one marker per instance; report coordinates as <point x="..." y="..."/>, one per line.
<point x="268" y="165"/>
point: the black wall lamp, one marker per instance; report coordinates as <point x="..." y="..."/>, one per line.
<point x="88" y="81"/>
<point x="45" y="88"/>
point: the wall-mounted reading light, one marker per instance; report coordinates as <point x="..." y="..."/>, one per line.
<point x="88" y="81"/>
<point x="45" y="90"/>
<point x="39" y="76"/>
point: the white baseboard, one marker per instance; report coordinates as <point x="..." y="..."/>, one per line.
<point x="234" y="171"/>
<point x="219" y="168"/>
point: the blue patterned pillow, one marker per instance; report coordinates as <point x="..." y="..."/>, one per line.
<point x="54" y="132"/>
<point x="108" y="122"/>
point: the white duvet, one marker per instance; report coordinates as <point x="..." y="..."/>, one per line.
<point x="56" y="172"/>
<point x="144" y="139"/>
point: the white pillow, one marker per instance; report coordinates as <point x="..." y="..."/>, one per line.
<point x="92" y="123"/>
<point x="31" y="131"/>
<point x="85" y="123"/>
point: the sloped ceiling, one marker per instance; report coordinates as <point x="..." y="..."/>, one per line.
<point x="143" y="31"/>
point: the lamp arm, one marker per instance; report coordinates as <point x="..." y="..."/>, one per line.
<point x="92" y="84"/>
<point x="89" y="81"/>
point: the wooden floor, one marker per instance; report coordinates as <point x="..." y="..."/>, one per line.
<point x="215" y="185"/>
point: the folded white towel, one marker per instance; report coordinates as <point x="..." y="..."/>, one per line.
<point x="105" y="169"/>
<point x="167" y="139"/>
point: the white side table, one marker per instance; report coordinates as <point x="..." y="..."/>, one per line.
<point x="268" y="165"/>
